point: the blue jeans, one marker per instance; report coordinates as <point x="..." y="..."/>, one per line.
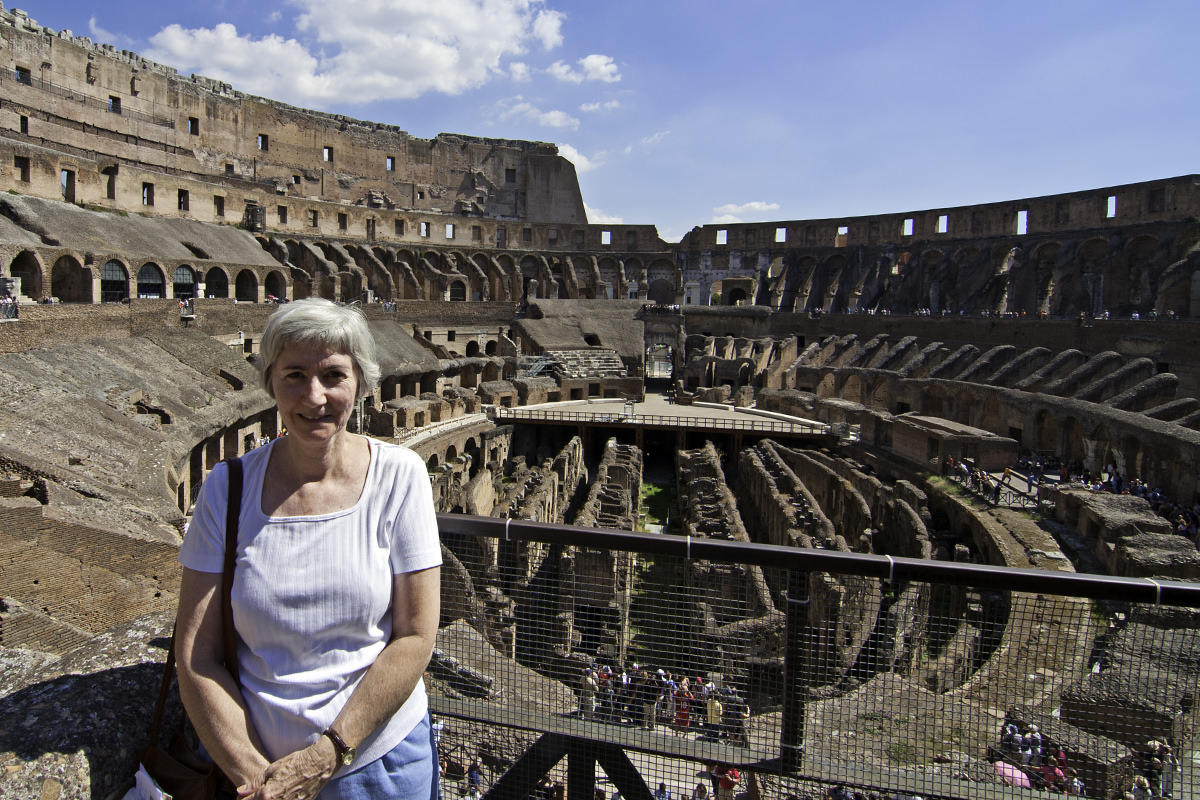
<point x="409" y="770"/>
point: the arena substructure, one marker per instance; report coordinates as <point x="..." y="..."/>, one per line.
<point x="974" y="410"/>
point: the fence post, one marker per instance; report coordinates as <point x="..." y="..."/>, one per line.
<point x="795" y="685"/>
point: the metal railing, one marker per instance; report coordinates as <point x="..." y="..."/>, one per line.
<point x="745" y="424"/>
<point x="805" y="669"/>
<point x="82" y="98"/>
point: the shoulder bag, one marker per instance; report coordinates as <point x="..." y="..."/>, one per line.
<point x="178" y="770"/>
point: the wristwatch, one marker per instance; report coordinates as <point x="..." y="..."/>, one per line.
<point x="345" y="753"/>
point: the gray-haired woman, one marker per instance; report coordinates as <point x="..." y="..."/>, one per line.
<point x="336" y="589"/>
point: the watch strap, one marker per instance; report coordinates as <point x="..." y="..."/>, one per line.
<point x="345" y="753"/>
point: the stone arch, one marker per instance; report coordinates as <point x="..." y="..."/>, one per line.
<point x="70" y="282"/>
<point x="216" y="282"/>
<point x="114" y="282"/>
<point x="246" y="287"/>
<point x="456" y="292"/>
<point x="1044" y="259"/>
<point x="183" y="282"/>
<point x="472" y="349"/>
<point x="879" y="395"/>
<point x="151" y="283"/>
<point x="1130" y="456"/>
<point x="1073" y="447"/>
<point x="1127" y="286"/>
<point x="825" y="284"/>
<point x="276" y="285"/>
<point x="491" y="347"/>
<point x="794" y="279"/>
<point x="531" y="283"/>
<point x="28" y="267"/>
<point x="1101" y="443"/>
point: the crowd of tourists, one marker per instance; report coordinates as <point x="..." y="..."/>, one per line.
<point x="648" y="698"/>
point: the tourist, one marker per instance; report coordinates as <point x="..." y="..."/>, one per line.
<point x="683" y="707"/>
<point x="337" y="599"/>
<point x="587" y="693"/>
<point x="474" y="777"/>
<point x="662" y="792"/>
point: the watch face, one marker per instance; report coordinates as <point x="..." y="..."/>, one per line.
<point x="348" y="756"/>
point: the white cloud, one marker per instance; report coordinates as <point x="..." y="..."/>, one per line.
<point x="597" y="217"/>
<point x="519" y="71"/>
<point x="102" y="36"/>
<point x="592" y="107"/>
<point x="600" y="68"/>
<point x="368" y="50"/>
<point x="592" y="68"/>
<point x="655" y="138"/>
<point x="519" y="107"/>
<point x="274" y="16"/>
<point x="733" y="212"/>
<point x="582" y="163"/>
<point x="547" y="28"/>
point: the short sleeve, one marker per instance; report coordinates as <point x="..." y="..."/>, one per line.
<point x="204" y="545"/>
<point x="415" y="541"/>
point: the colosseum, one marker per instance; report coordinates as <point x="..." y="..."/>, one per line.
<point x="859" y="409"/>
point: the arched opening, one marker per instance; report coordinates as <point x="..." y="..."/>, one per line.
<point x="70" y="282"/>
<point x="472" y="349"/>
<point x="150" y="283"/>
<point x="114" y="282"/>
<point x="458" y="292"/>
<point x="183" y="283"/>
<point x="26" y="267"/>
<point x="276" y="286"/>
<point x="247" y="287"/>
<point x="216" y="283"/>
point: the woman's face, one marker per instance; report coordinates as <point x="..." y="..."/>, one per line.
<point x="315" y="388"/>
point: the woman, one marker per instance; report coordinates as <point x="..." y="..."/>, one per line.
<point x="335" y="593"/>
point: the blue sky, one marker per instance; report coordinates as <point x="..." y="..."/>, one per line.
<point x="686" y="112"/>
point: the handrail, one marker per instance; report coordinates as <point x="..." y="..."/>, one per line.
<point x="889" y="568"/>
<point x="757" y="425"/>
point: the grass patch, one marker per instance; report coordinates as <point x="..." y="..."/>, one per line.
<point x="656" y="503"/>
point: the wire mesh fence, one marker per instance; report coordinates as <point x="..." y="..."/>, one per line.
<point x="579" y="663"/>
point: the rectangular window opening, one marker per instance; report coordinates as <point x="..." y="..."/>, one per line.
<point x="501" y="237"/>
<point x="606" y="238"/>
<point x="510" y="175"/>
<point x="399" y="226"/>
<point x="449" y="230"/>
<point x="21" y="165"/>
<point x="476" y="233"/>
<point x="313" y="218"/>
<point x="194" y="126"/>
<point x="1111" y="206"/>
<point x="327" y="154"/>
<point x="843" y="236"/>
<point x="722" y="237"/>
<point x="147" y="194"/>
<point x="424" y="229"/>
<point x="552" y="236"/>
<point x="185" y="203"/>
<point x="943" y="224"/>
<point x="24" y="75"/>
<point x="420" y="195"/>
<point x="114" y="104"/>
<point x="218" y="205"/>
<point x="907" y="227"/>
<point x="281" y="211"/>
<point x="295" y="180"/>
<point x="343" y="222"/>
<point x="390" y="163"/>
<point x="527" y="235"/>
<point x="264" y="142"/>
<point x="68" y="185"/>
<point x="229" y="169"/>
<point x="1022" y="222"/>
<point x="24" y="124"/>
<point x="780" y="235"/>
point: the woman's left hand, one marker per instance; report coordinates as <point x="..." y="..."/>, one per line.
<point x="297" y="776"/>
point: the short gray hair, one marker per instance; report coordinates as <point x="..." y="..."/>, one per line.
<point x="319" y="321"/>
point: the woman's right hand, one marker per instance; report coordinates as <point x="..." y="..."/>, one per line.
<point x="297" y="776"/>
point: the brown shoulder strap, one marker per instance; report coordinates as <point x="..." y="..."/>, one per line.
<point x="233" y="509"/>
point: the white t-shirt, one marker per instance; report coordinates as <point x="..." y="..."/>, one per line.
<point x="312" y="595"/>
